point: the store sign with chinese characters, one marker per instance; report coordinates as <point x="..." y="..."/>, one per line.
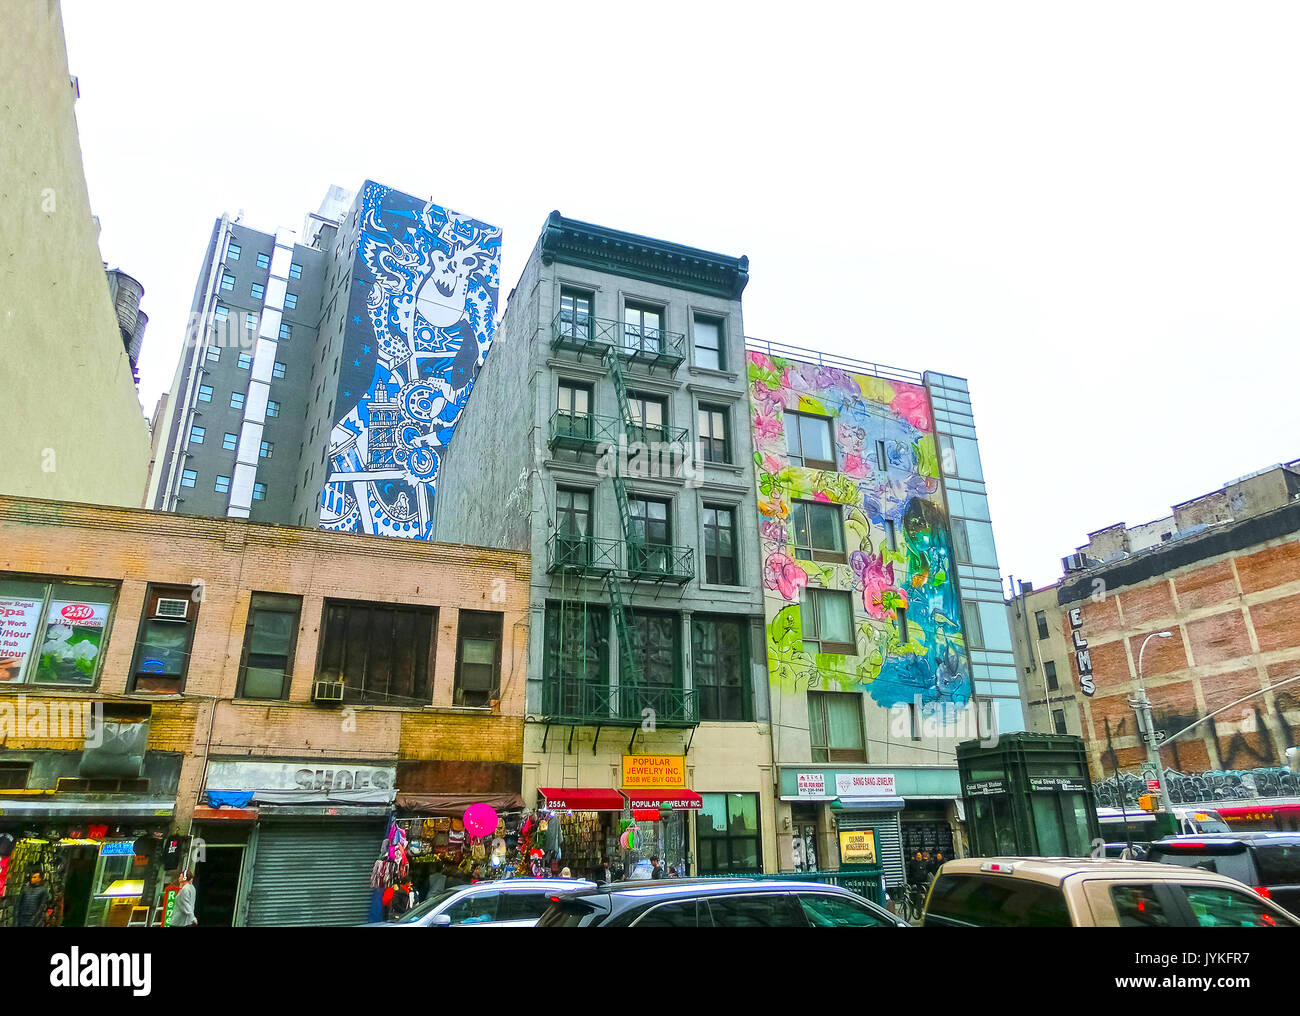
<point x="811" y="786"/>
<point x="1082" y="657"/>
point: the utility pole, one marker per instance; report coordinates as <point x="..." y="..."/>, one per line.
<point x="1146" y="726"/>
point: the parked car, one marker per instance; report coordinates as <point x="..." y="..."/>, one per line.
<point x="1102" y="892"/>
<point x="716" y="903"/>
<point x="507" y="902"/>
<point x="1267" y="862"/>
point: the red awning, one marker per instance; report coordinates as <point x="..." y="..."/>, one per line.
<point x="676" y="800"/>
<point x="570" y="799"/>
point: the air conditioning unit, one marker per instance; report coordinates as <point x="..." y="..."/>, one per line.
<point x="1075" y="562"/>
<point x="327" y="691"/>
<point x="171" y="609"/>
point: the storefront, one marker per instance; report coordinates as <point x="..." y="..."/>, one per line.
<point x="441" y="851"/>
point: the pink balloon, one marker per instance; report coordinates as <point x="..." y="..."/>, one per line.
<point x="480" y="820"/>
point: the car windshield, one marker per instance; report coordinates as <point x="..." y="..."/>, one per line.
<point x="426" y="908"/>
<point x="1236" y="865"/>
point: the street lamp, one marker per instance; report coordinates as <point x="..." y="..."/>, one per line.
<point x="1146" y="725"/>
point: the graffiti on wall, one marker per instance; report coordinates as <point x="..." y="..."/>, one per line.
<point x="1211" y="785"/>
<point x="897" y="547"/>
<point x="419" y="326"/>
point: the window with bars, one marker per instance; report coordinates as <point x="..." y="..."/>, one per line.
<point x="575" y="657"/>
<point x="382" y="653"/>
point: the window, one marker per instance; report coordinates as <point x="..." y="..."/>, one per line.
<point x="684" y="914"/>
<point x="818" y="531"/>
<point x="259" y="492"/>
<point x="278" y="371"/>
<point x="268" y="447"/>
<point x="232" y="252"/>
<point x="994" y="901"/>
<point x="250" y="322"/>
<point x="286" y="332"/>
<point x="478" y="659"/>
<point x="162" y="647"/>
<point x="660" y="652"/>
<point x="576" y="658"/>
<point x="264" y="261"/>
<point x="572" y="514"/>
<point x="189" y="477"/>
<point x="229" y="441"/>
<point x="295" y="270"/>
<point x="205" y="393"/>
<point x="648" y="417"/>
<point x="1049" y="669"/>
<point x="901" y="614"/>
<point x="835" y="727"/>
<point x="891" y="534"/>
<point x="720" y="668"/>
<point x="825" y="911"/>
<point x="708" y="343"/>
<point x="53" y="632"/>
<point x="1058" y="720"/>
<point x="381" y="653"/>
<point x="245" y="361"/>
<point x="290" y="301"/>
<point x="270" y="638"/>
<point x="714" y="446"/>
<point x="720" y="545"/>
<point x="643" y="328"/>
<point x="236" y="400"/>
<point x="970" y="619"/>
<point x="650" y="539"/>
<point x="882" y="459"/>
<point x="14" y="775"/>
<point x="259" y="291"/>
<point x="573" y="403"/>
<point x="272" y="408"/>
<point x="727" y="834"/>
<point x="1040" y="618"/>
<point x="213" y="354"/>
<point x="222" y="485"/>
<point x="523" y="906"/>
<point x="575" y="315"/>
<point x="756" y="910"/>
<point x="222" y="313"/>
<point x="1138" y="906"/>
<point x="227" y="281"/>
<point x="1218" y="907"/>
<point x="197" y="434"/>
<point x="808" y="441"/>
<point x="481" y="908"/>
<point x="827" y="618"/>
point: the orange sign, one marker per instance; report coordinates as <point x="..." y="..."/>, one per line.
<point x="643" y="771"/>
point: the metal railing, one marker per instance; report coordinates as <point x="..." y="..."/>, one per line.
<point x="583" y="554"/>
<point x="821" y="359"/>
<point x="662" y="562"/>
<point x="639" y="343"/>
<point x="580" y="430"/>
<point x="593" y="702"/>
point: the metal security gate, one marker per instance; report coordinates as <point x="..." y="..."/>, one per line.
<point x="889" y="840"/>
<point x="313" y="873"/>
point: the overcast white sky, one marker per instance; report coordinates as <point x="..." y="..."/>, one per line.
<point x="1091" y="210"/>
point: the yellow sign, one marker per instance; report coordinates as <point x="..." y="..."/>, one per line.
<point x="858" y="846"/>
<point x="643" y="771"/>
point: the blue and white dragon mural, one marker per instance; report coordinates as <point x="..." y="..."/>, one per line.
<point x="420" y="321"/>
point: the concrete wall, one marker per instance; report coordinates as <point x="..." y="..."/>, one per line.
<point x="74" y="426"/>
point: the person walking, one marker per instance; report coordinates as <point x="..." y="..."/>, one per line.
<point x="33" y="903"/>
<point x="183" y="914"/>
<point x="655" y="870"/>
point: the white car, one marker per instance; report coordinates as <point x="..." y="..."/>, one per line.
<point x="503" y="903"/>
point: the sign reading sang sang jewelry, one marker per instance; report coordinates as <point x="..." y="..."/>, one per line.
<point x="1082" y="658"/>
<point x="864" y="784"/>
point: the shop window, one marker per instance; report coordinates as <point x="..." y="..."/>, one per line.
<point x="720" y="668"/>
<point x="835" y="727"/>
<point x="827" y="619"/>
<point x="720" y="545"/>
<point x="162" y="647"/>
<point x="818" y="531"/>
<point x="53" y="632"/>
<point x="270" y="639"/>
<point x="727" y="834"/>
<point x="382" y="653"/>
<point x="808" y="441"/>
<point x="478" y="659"/>
<point x="576" y="659"/>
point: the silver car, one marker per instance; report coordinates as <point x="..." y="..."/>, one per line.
<point x="504" y="903"/>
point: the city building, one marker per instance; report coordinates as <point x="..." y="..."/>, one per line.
<point x="1203" y="609"/>
<point x="322" y="375"/>
<point x="607" y="435"/>
<point x="273" y="693"/>
<point x="1044" y="658"/>
<point x="886" y="638"/>
<point x="74" y="429"/>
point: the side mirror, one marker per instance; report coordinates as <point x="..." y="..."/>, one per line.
<point x="440" y="921"/>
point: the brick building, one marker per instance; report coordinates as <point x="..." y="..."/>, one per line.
<point x="273" y="691"/>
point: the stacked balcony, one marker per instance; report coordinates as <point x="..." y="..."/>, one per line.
<point x="593" y="702"/>
<point x="583" y="335"/>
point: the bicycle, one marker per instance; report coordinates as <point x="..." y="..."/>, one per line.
<point x="912" y="903"/>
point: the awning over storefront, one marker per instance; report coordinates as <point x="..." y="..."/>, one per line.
<point x="455" y="804"/>
<point x="676" y="800"/>
<point x="572" y="799"/>
<point x="868" y="804"/>
<point x="40" y="807"/>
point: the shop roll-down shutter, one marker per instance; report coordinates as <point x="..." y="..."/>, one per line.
<point x="313" y="873"/>
<point x="889" y="840"/>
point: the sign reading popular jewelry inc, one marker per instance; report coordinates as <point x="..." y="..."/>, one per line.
<point x="864" y="784"/>
<point x="654" y="771"/>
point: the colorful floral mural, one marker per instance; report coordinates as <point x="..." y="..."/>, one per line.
<point x="896" y="546"/>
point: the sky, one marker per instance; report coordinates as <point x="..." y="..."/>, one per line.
<point x="1089" y="210"/>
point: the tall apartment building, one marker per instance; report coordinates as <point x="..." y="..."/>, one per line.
<point x="322" y="375"/>
<point x="608" y="436"/>
<point x="886" y="638"/>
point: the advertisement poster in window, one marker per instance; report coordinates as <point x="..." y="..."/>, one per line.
<point x="18" y="622"/>
<point x="74" y="631"/>
<point x="857" y="846"/>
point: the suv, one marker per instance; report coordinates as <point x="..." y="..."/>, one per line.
<point x="1267" y="862"/>
<point x="717" y="903"/>
<point x="507" y="902"/>
<point x="1070" y="891"/>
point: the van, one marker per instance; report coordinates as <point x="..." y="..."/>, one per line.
<point x="1267" y="862"/>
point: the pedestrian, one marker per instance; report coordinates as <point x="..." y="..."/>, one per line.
<point x="33" y="903"/>
<point x="655" y="870"/>
<point x="183" y="914"/>
<point x="916" y="870"/>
